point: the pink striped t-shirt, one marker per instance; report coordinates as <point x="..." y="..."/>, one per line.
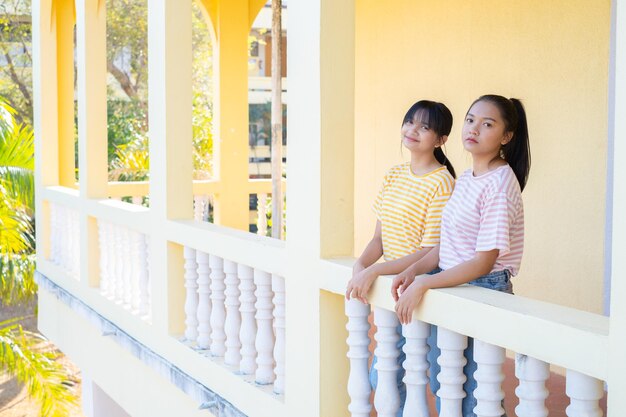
<point x="484" y="213"/>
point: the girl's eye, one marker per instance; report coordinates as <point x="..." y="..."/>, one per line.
<point x="425" y="128"/>
<point x="487" y="124"/>
<point x="469" y="120"/>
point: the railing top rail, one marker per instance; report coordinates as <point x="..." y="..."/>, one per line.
<point x="563" y="336"/>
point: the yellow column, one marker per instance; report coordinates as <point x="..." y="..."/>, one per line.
<point x="320" y="200"/>
<point x="230" y="72"/>
<point x="617" y="332"/>
<point x="171" y="195"/>
<point x="45" y="115"/>
<point x="64" y="14"/>
<point x="92" y="124"/>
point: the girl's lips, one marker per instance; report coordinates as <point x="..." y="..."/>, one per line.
<point x="471" y="140"/>
<point x="410" y="139"/>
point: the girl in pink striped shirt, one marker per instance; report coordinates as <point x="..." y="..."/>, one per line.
<point x="482" y="226"/>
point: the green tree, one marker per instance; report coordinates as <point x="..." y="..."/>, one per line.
<point x="20" y="351"/>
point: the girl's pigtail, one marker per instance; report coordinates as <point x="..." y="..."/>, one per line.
<point x="443" y="160"/>
<point x="517" y="152"/>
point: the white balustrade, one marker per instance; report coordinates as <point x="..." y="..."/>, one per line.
<point x="126" y="266"/>
<point x="416" y="367"/>
<point x="247" y="334"/>
<point x="358" y="340"/>
<point x="265" y="336"/>
<point x="387" y="397"/>
<point x="232" y="357"/>
<point x="238" y="313"/>
<point x="191" y="294"/>
<point x="531" y="391"/>
<point x="278" y="287"/>
<point x="585" y="393"/>
<point x="123" y="266"/>
<point x="103" y="241"/>
<point x="144" y="276"/>
<point x="451" y="376"/>
<point x="204" y="300"/>
<point x="65" y="239"/>
<point x="218" y="312"/>
<point x="261" y="208"/>
<point x="489" y="377"/>
<point x="200" y="203"/>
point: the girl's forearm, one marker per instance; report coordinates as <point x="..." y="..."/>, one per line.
<point x="372" y="252"/>
<point x="398" y="265"/>
<point x="427" y="263"/>
<point x="463" y="273"/>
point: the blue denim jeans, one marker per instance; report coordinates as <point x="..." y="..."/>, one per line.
<point x="499" y="281"/>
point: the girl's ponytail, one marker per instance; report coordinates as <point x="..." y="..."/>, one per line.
<point x="443" y="160"/>
<point x="517" y="152"/>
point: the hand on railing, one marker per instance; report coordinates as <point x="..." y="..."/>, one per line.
<point x="360" y="284"/>
<point x="408" y="301"/>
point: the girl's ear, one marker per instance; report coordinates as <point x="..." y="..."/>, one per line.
<point x="442" y="140"/>
<point x="507" y="138"/>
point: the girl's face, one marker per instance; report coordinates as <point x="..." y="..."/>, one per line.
<point x="417" y="135"/>
<point x="484" y="129"/>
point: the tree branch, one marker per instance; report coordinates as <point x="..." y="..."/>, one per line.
<point x="123" y="79"/>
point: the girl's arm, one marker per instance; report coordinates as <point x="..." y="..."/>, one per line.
<point x="372" y="252"/>
<point x="481" y="264"/>
<point x="424" y="265"/>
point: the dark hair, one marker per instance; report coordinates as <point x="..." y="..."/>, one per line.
<point x="517" y="151"/>
<point x="439" y="119"/>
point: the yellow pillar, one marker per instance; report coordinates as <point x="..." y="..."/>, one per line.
<point x="92" y="124"/>
<point x="171" y="194"/>
<point x="45" y="115"/>
<point x="64" y="15"/>
<point x="617" y="332"/>
<point x="320" y="201"/>
<point x="230" y="144"/>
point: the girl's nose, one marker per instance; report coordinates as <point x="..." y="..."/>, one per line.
<point x="473" y="129"/>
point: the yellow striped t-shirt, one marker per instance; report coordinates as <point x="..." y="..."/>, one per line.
<point x="409" y="208"/>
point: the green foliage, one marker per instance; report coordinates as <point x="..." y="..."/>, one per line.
<point x="45" y="379"/>
<point x="15" y="47"/>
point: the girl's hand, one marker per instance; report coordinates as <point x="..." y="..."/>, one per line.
<point x="360" y="284"/>
<point x="409" y="300"/>
<point x="401" y="282"/>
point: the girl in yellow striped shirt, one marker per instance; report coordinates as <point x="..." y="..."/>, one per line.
<point x="408" y="208"/>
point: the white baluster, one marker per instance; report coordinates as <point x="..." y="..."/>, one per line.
<point x="126" y="266"/>
<point x="104" y="272"/>
<point x="218" y="313"/>
<point x="358" y="340"/>
<point x="191" y="298"/>
<point x="143" y="277"/>
<point x="278" y="286"/>
<point x="75" y="236"/>
<point x="247" y="334"/>
<point x="489" y="377"/>
<point x="265" y="336"/>
<point x="261" y="208"/>
<point x="232" y="357"/>
<point x="387" y="397"/>
<point x="111" y="258"/>
<point x="416" y="365"/>
<point x="137" y="200"/>
<point x="585" y="393"/>
<point x="532" y="392"/>
<point x="199" y="202"/>
<point x="451" y="376"/>
<point x="136" y="240"/>
<point x="119" y="264"/>
<point x="204" y="300"/>
<point x="64" y="241"/>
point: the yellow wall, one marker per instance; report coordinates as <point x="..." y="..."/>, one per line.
<point x="551" y="54"/>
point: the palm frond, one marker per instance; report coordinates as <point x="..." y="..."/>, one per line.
<point x="16" y="227"/>
<point x="17" y="146"/>
<point x="17" y="279"/>
<point x="46" y="380"/>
